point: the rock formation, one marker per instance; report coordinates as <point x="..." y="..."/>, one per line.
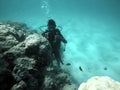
<point x="100" y="83"/>
<point x="26" y="60"/>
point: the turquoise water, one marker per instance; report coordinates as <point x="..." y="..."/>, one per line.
<point x="92" y="28"/>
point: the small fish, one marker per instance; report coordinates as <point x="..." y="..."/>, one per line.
<point x="80" y="68"/>
<point x="105" y="68"/>
<point x="68" y="64"/>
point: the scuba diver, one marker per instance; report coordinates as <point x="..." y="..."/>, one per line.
<point x="54" y="36"/>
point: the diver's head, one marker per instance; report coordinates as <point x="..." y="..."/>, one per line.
<point x="51" y="24"/>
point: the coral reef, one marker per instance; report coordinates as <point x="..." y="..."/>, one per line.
<point x="26" y="61"/>
<point x="100" y="83"/>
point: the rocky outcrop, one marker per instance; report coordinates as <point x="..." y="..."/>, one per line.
<point x="7" y="40"/>
<point x="100" y="83"/>
<point x="26" y="59"/>
<point x="52" y="80"/>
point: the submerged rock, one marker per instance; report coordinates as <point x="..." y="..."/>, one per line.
<point x="57" y="79"/>
<point x="100" y="83"/>
<point x="19" y="86"/>
<point x="6" y="39"/>
<point x="6" y="79"/>
<point x="70" y="87"/>
<point x="26" y="56"/>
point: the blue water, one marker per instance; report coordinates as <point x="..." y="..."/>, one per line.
<point x="92" y="28"/>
